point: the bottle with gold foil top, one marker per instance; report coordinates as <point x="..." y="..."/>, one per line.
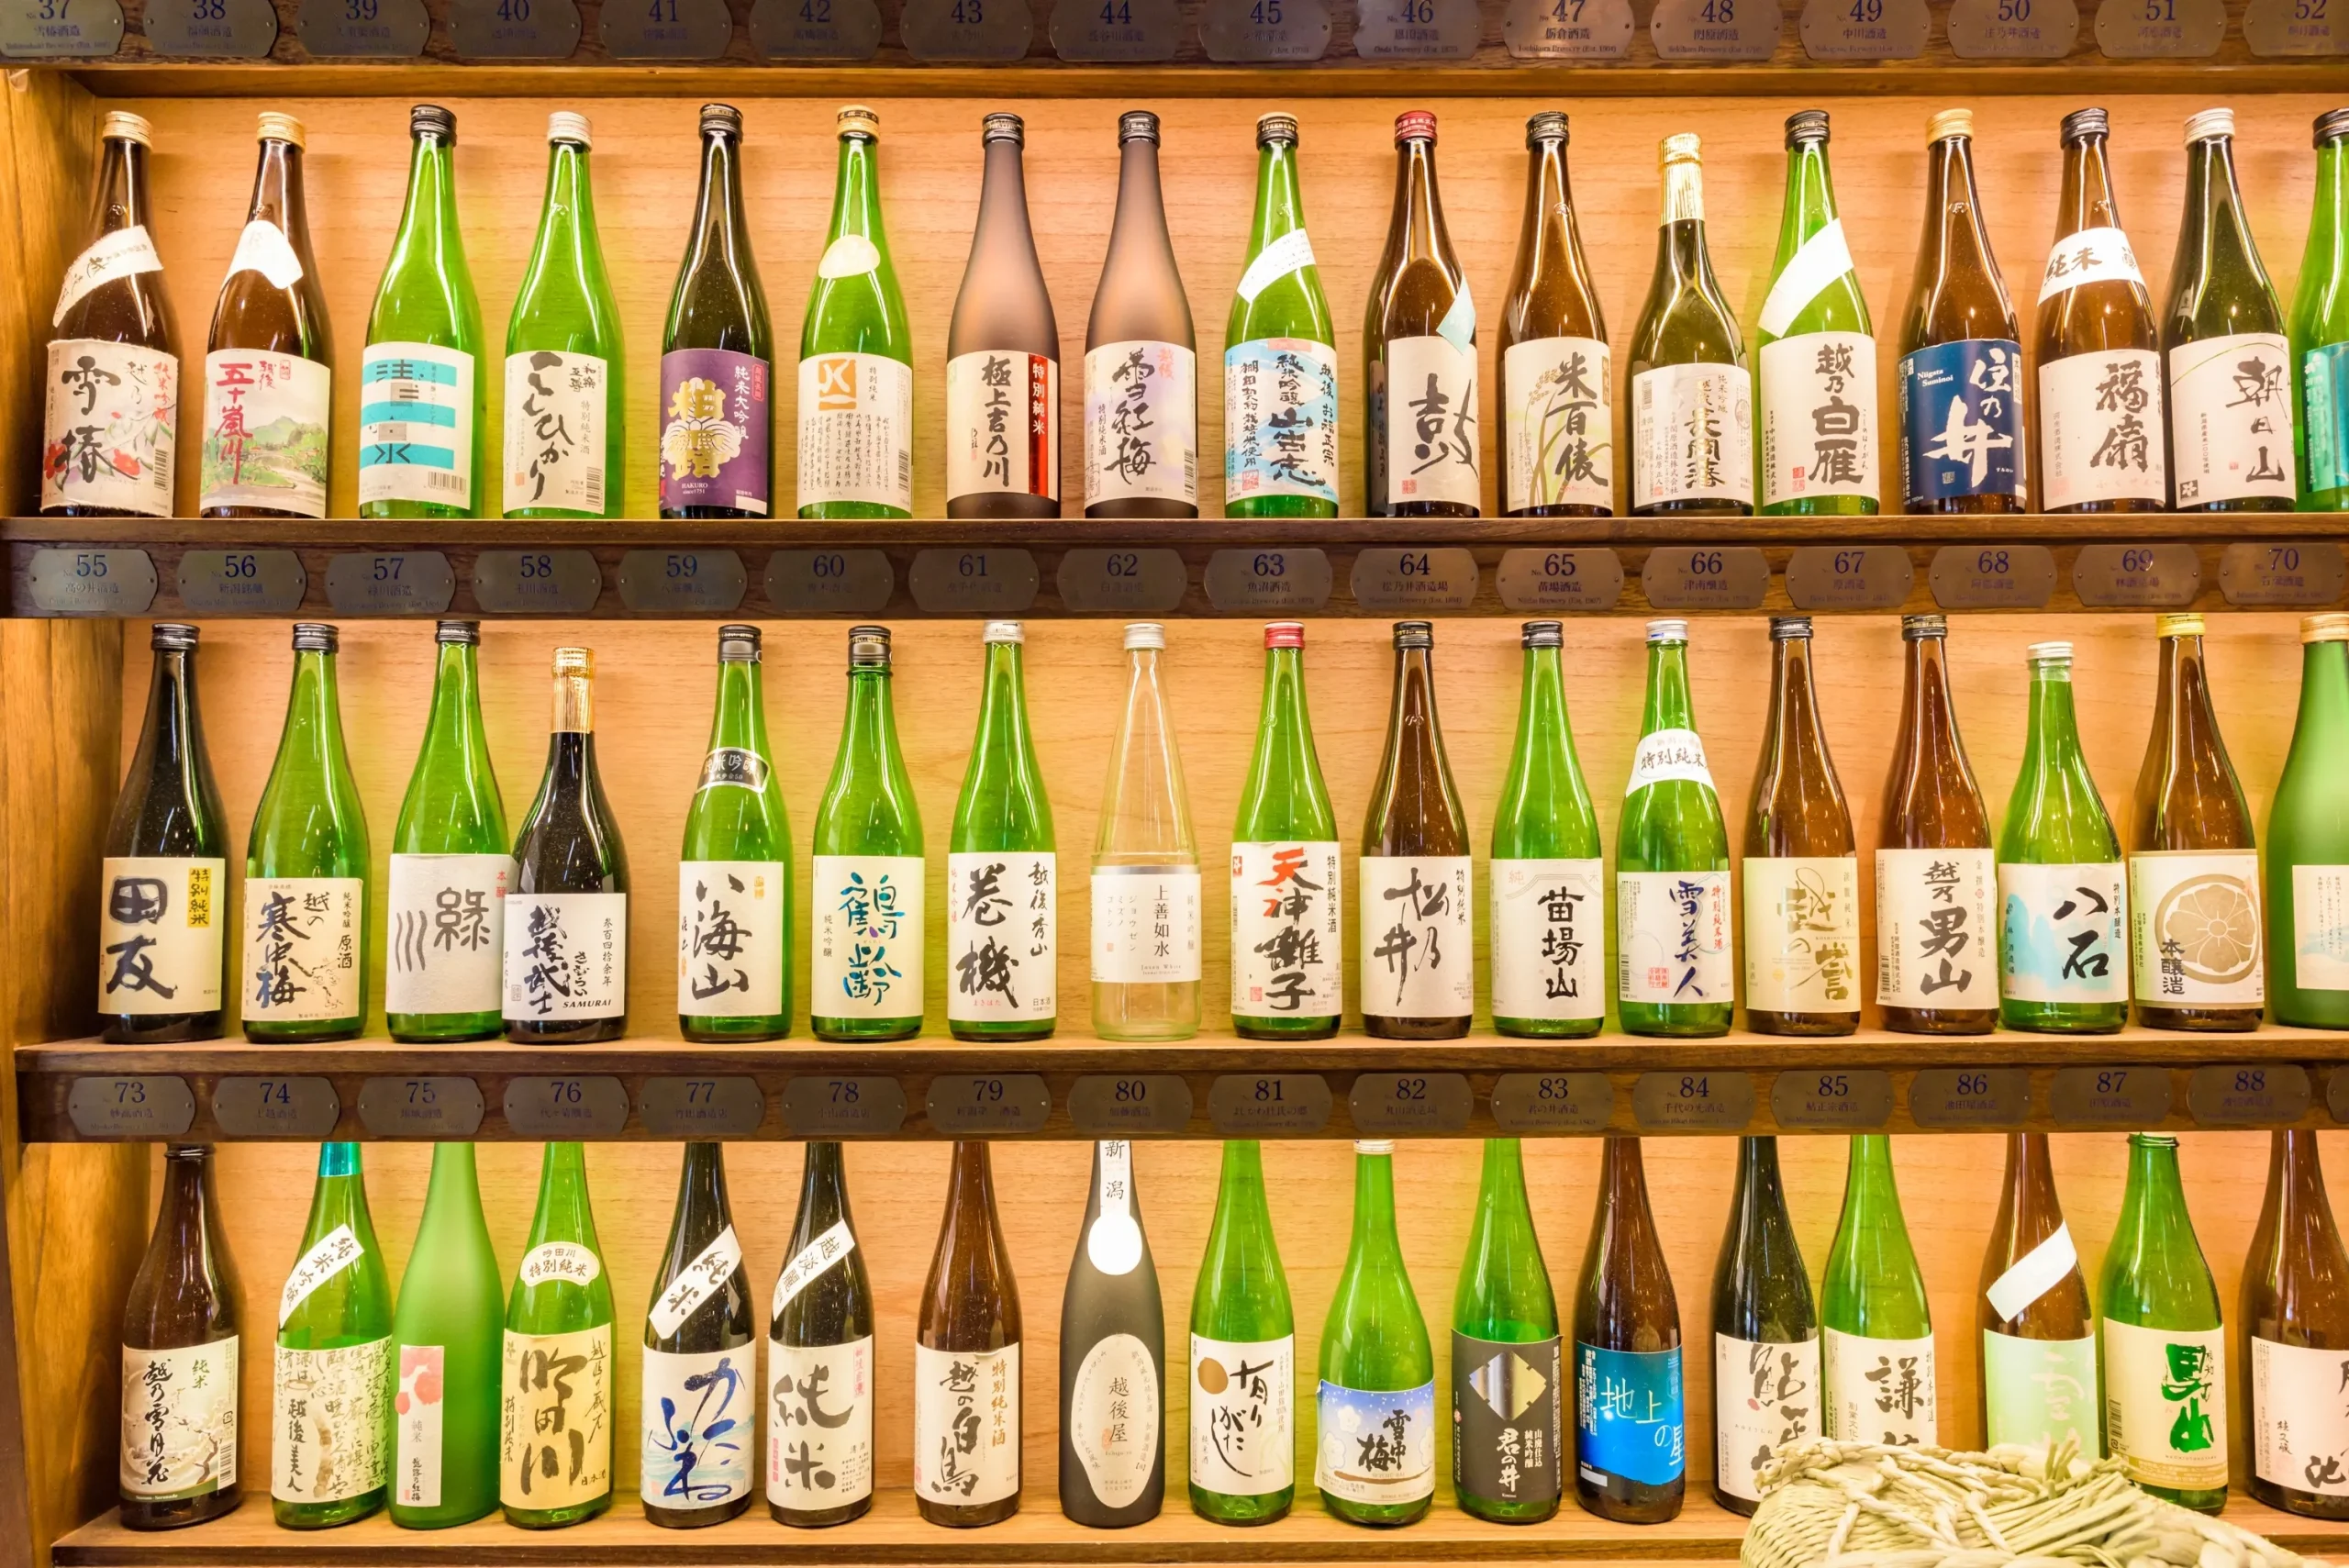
<point x="1419" y="455"/>
<point x="2037" y="1331"/>
<point x="1692" y="401"/>
<point x="1817" y="349"/>
<point x="1936" y="940"/>
<point x="566" y="920"/>
<point x="1557" y="379"/>
<point x="2295" y="1320"/>
<point x="1003" y="354"/>
<point x="1801" y="875"/>
<point x="1142" y="367"/>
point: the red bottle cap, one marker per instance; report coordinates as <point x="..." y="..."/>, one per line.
<point x="1414" y="124"/>
<point x="1285" y="634"/>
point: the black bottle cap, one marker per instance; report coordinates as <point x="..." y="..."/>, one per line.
<point x="739" y="644"/>
<point x="172" y="636"/>
<point x="433" y="120"/>
<point x="2081" y="124"/>
<point x="868" y="647"/>
<point x="1276" y="128"/>
<point x="458" y="634"/>
<point x="721" y="116"/>
<point x="1003" y="128"/>
<point x="2332" y="125"/>
<point x="1137" y="125"/>
<point x="316" y="637"/>
<point x="1550" y="125"/>
<point x="1789" y="628"/>
<point x="1414" y="634"/>
<point x="1805" y="125"/>
<point x="1544" y="634"/>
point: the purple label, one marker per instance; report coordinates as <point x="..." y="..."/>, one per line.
<point x="715" y="430"/>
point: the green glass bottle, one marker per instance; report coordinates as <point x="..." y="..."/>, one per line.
<point x="1375" y="1422"/>
<point x="1692" y="394"/>
<point x="566" y="446"/>
<point x="1676" y="972"/>
<point x="2308" y="841"/>
<point x="306" y="869"/>
<point x="1765" y="1334"/>
<point x="1244" y="1357"/>
<point x="558" y="1390"/>
<point x="1548" y="927"/>
<point x="421" y="391"/>
<point x="1280" y="368"/>
<point x="330" y="1424"/>
<point x="451" y="866"/>
<point x="734" y="928"/>
<point x="1506" y="1462"/>
<point x="716" y="446"/>
<point x="2164" y="1342"/>
<point x="2320" y="329"/>
<point x="1631" y="1418"/>
<point x="447" y="1337"/>
<point x="2063" y="952"/>
<point x="1878" y="1350"/>
<point x="869" y="871"/>
<point x="1817" y="351"/>
<point x="856" y="351"/>
<point x="1287" y="958"/>
<point x="1001" y="871"/>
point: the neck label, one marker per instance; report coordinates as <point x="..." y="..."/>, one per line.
<point x="1113" y="1241"/>
<point x="809" y="1263"/>
<point x="329" y="1256"/>
<point x="2091" y="256"/>
<point x="560" y="1263"/>
<point x="1817" y="262"/>
<point x="1292" y="252"/>
<point x="2033" y="1274"/>
<point x="124" y="253"/>
<point x="262" y="248"/>
<point x="850" y="256"/>
<point x="1668" y="754"/>
<point x="1002" y="935"/>
<point x="696" y="1283"/>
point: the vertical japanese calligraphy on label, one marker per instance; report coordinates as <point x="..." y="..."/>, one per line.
<point x="1766" y="1399"/>
<point x="566" y="955"/>
<point x="1375" y="1446"/>
<point x="2232" y="418"/>
<point x="1141" y="423"/>
<point x="2061" y="932"/>
<point x="302" y="946"/>
<point x="1003" y="425"/>
<point x="109" y="427"/>
<point x="160" y="929"/>
<point x="1430" y="446"/>
<point x="698" y="1426"/>
<point x="1671" y="934"/>
<point x="1549" y="941"/>
<point x="419" y="1403"/>
<point x="179" y="1420"/>
<point x="819" y="1423"/>
<point x="1145" y="925"/>
<point x="2166" y="1403"/>
<point x="1558" y="421"/>
<point x="1113" y="1418"/>
<point x="1506" y="1431"/>
<point x="555" y="413"/>
<point x="1629" y="1415"/>
<point x="857" y="423"/>
<point x="1818" y="417"/>
<point x="1879" y="1390"/>
<point x="1002" y="936"/>
<point x="2100" y="415"/>
<point x="2301" y="1414"/>
<point x="2194" y="927"/>
<point x="416" y="424"/>
<point x="555" y="1420"/>
<point x="2319" y="928"/>
<point x="1692" y="435"/>
<point x="1280" y="419"/>
<point x="2041" y="1391"/>
<point x="332" y="1419"/>
<point x="1243" y="1434"/>
<point x="1287" y="950"/>
<point x="1935" y="945"/>
<point x="868" y="941"/>
<point x="730" y="938"/>
<point x="966" y="1425"/>
<point x="1418" y="952"/>
<point x="447" y="933"/>
<point x="1802" y="933"/>
<point x="1961" y="420"/>
<point x="716" y="428"/>
<point x="265" y="431"/>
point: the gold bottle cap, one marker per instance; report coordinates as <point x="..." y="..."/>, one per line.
<point x="2330" y="627"/>
<point x="580" y="661"/>
<point x="2183" y="623"/>
<point x="1948" y="123"/>
<point x="569" y="125"/>
<point x="1682" y="146"/>
<point x="121" y="125"/>
<point x="855" y="119"/>
<point x="275" y="127"/>
<point x="2208" y="124"/>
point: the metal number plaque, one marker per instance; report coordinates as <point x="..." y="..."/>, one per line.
<point x="966" y="30"/>
<point x="276" y="1108"/>
<point x="1992" y="576"/>
<point x="405" y="583"/>
<point x="1267" y="582"/>
<point x="212" y="29"/>
<point x="514" y="29"/>
<point x="1839" y="1099"/>
<point x="1693" y="1102"/>
<point x="667" y="30"/>
<point x="376" y="29"/>
<point x="2291" y="574"/>
<point x="830" y="581"/>
<point x="683" y="1109"/>
<point x="92" y="582"/>
<point x="1102" y="1105"/>
<point x="1416" y="29"/>
<point x="1270" y="1105"/>
<point x="1409" y="1104"/>
<point x="1255" y="31"/>
<point x="1864" y="29"/>
<point x="130" y="1107"/>
<point x="536" y="581"/>
<point x="1849" y="577"/>
<point x="590" y="1106"/>
<point x="1568" y="29"/>
<point x="2160" y="29"/>
<point x="817" y="29"/>
<point x="1535" y="1102"/>
<point x="1413" y="581"/>
<point x="1105" y="30"/>
<point x="843" y="1107"/>
<point x="53" y="29"/>
<point x="2286" y="29"/>
<point x="2155" y="577"/>
<point x="983" y="582"/>
<point x="672" y="582"/>
<point x="1706" y="577"/>
<point x="1970" y="1096"/>
<point x="2130" y="1098"/>
<point x="1560" y="582"/>
<point x="1715" y="29"/>
<point x="1124" y="582"/>
<point x="987" y="1105"/>
<point x="2273" y="1094"/>
<point x="241" y="582"/>
<point x="420" y="1107"/>
<point x="2013" y="30"/>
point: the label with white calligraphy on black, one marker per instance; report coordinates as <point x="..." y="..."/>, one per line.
<point x="1849" y="577"/>
<point x="973" y="582"/>
<point x="241" y="582"/>
<point x="845" y="1107"/>
<point x="2161" y="29"/>
<point x="2013" y="30"/>
<point x="1970" y="1096"/>
<point x="212" y="29"/>
<point x="2274" y="1094"/>
<point x="1840" y="1100"/>
<point x="1693" y="1102"/>
<point x="1992" y="576"/>
<point x="1557" y="401"/>
<point x="41" y="29"/>
<point x="276" y="1108"/>
<point x="987" y="1105"/>
<point x="594" y="1107"/>
<point x="817" y="29"/>
<point x="378" y="30"/>
<point x="130" y="1107"/>
<point x="2310" y="573"/>
<point x="2152" y="575"/>
<point x="514" y="29"/>
<point x="1417" y="29"/>
<point x="2133" y="1097"/>
<point x="1568" y="29"/>
<point x="1127" y="581"/>
<point x="688" y="1108"/>
<point x="1409" y="1104"/>
<point x="1267" y="582"/>
<point x="1538" y="1102"/>
<point x="1705" y="577"/>
<point x="667" y="30"/>
<point x="1122" y="1105"/>
<point x="433" y="1108"/>
<point x="1258" y="30"/>
<point x="92" y="582"/>
<point x="1560" y="582"/>
<point x="1277" y="1105"/>
<point x="1414" y="581"/>
<point x="536" y="581"/>
<point x="402" y="582"/>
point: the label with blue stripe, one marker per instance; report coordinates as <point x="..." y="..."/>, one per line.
<point x="415" y="423"/>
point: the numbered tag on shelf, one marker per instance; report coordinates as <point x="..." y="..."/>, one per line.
<point x="987" y="1105"/>
<point x="830" y="581"/>
<point x="59" y="30"/>
<point x="2160" y="29"/>
<point x="1559" y="582"/>
<point x="408" y="583"/>
<point x="2129" y="1098"/>
<point x="241" y="582"/>
<point x="92" y="582"/>
<point x="1128" y="1104"/>
<point x="1417" y="29"/>
<point x="817" y="29"/>
<point x="211" y="29"/>
<point x="966" y="30"/>
<point x="154" y="1106"/>
<point x="2277" y="1094"/>
<point x="1715" y="29"/>
<point x="276" y="1108"/>
<point x="536" y="581"/>
<point x="1253" y="31"/>
<point x="1693" y="1102"/>
<point x="1983" y="1098"/>
<point x="1267" y="582"/>
<point x="1104" y="30"/>
<point x="566" y="1107"/>
<point x="363" y="30"/>
<point x="2013" y="30"/>
<point x="683" y="1109"/>
<point x="2297" y="574"/>
<point x="420" y="1107"/>
<point x="1838" y="1100"/>
<point x="1992" y="576"/>
<point x="990" y="581"/>
<point x="1269" y="1104"/>
<point x="844" y="1106"/>
<point x="1864" y="29"/>
<point x="1536" y="1103"/>
<point x="514" y="29"/>
<point x="1849" y="577"/>
<point x="2293" y="30"/>
<point x="667" y="30"/>
<point x="2336" y="1094"/>
<point x="2155" y="577"/>
<point x="682" y="582"/>
<point x="1568" y="29"/>
<point x="1705" y="577"/>
<point x="1414" y="581"/>
<point x="1124" y="582"/>
<point x="1409" y="1104"/>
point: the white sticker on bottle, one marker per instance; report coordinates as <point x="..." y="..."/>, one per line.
<point x="179" y="1420"/>
<point x="2165" y="1404"/>
<point x="1243" y="1436"/>
<point x="1668" y="754"/>
<point x="1002" y="936"/>
<point x="856" y="430"/>
<point x="2319" y="928"/>
<point x="809" y="1263"/>
<point x="1879" y="1390"/>
<point x="567" y="956"/>
<point x="330" y="1422"/>
<point x="1287" y="951"/>
<point x="966" y="1425"/>
<point x="698" y="1425"/>
<point x="868" y="941"/>
<point x="1692" y="435"/>
<point x="1141" y="423"/>
<point x="416" y="424"/>
<point x="126" y="252"/>
<point x="1280" y="420"/>
<point x="819" y="1423"/>
<point x="336" y="1251"/>
<point x="1418" y="952"/>
<point x="1672" y="931"/>
<point x="1818" y="418"/>
<point x="419" y="1406"/>
<point x="2033" y="1274"/>
<point x="1802" y="933"/>
<point x="559" y="1263"/>
<point x="1558" y="424"/>
<point x="2090" y="256"/>
<point x="694" y="1284"/>
<point x="554" y="1423"/>
<point x="265" y="431"/>
<point x="303" y="947"/>
<point x="109" y="427"/>
<point x="261" y="246"/>
<point x="556" y="408"/>
<point x="2300" y="1437"/>
<point x="1145" y="925"/>
<point x="2231" y="418"/>
<point x="850" y="256"/>
<point x="2195" y="928"/>
<point x="1291" y="252"/>
<point x="446" y="933"/>
<point x="1765" y="1400"/>
<point x="1816" y="264"/>
<point x="730" y="938"/>
<point x="160" y="926"/>
<point x="1430" y="435"/>
<point x="2063" y="932"/>
<point x="1003" y="425"/>
<point x="1113" y="1242"/>
<point x="1936" y="945"/>
<point x="1114" y="1406"/>
<point x="2100" y="430"/>
<point x="1548" y="938"/>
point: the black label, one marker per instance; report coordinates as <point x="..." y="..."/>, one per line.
<point x="1505" y="1432"/>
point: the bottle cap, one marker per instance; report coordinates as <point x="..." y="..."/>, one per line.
<point x="431" y="120"/>
<point x="275" y="127"/>
<point x="316" y="637"/>
<point x="1550" y="125"/>
<point x="2330" y="627"/>
<point x="1805" y="125"/>
<point x="458" y="634"/>
<point x="1914" y="627"/>
<point x="1000" y="127"/>
<point x="721" y="116"/>
<point x="2182" y="623"/>
<point x="2049" y="654"/>
<point x="1280" y="128"/>
<point x="1285" y="634"/>
<point x="855" y="119"/>
<point x="1948" y="123"/>
<point x="738" y="644"/>
<point x="2081" y="124"/>
<point x="1150" y="634"/>
<point x="1374" y="1146"/>
<point x="178" y="637"/>
<point x="1667" y="631"/>
<point x="1414" y="634"/>
<point x="868" y="647"/>
<point x="121" y="125"/>
<point x="2209" y="124"/>
<point x="1137" y="125"/>
<point x="1789" y="628"/>
<point x="1004" y="631"/>
<point x="1414" y="124"/>
<point x="564" y="124"/>
<point x="2330" y="126"/>
<point x="1682" y="147"/>
<point x="1542" y="634"/>
<point x="2154" y="1139"/>
<point x="576" y="662"/>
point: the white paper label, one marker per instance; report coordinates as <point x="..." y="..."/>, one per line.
<point x="555" y="1420"/>
<point x="1879" y="1390"/>
<point x="1243" y="1436"/>
<point x="1692" y="435"/>
<point x="1668" y="754"/>
<point x="819" y="1423"/>
<point x="2090" y="256"/>
<point x="1817" y="262"/>
<point x="1003" y="425"/>
<point x="178" y="1420"/>
<point x="447" y="933"/>
<point x="419" y="1402"/>
<point x="1549" y="938"/>
<point x="121" y="254"/>
<point x="1280" y="419"/>
<point x="1113" y="1242"/>
<point x="265" y="424"/>
<point x="1818" y="417"/>
<point x="1113" y="1418"/>
<point x="966" y="1425"/>
<point x="303" y="947"/>
<point x="1672" y="936"/>
<point x="2041" y="1391"/>
<point x="809" y="1263"/>
<point x="2194" y="927"/>
<point x="2300" y="1417"/>
<point x="1802" y="933"/>
<point x="109" y="427"/>
<point x="555" y="411"/>
<point x="2319" y="928"/>
<point x="1558" y="421"/>
<point x="1935" y="944"/>
<point x="1141" y="423"/>
<point x="566" y="955"/>
<point x="856" y="429"/>
<point x="730" y="938"/>
<point x="262" y="248"/>
<point x="329" y="1256"/>
<point x="1417" y="954"/>
<point x="694" y="1284"/>
<point x="850" y="256"/>
<point x="2033" y="1274"/>
<point x="1291" y="252"/>
<point x="699" y="1427"/>
<point x="1431" y="412"/>
<point x="1286" y="948"/>
<point x="416" y="424"/>
<point x="868" y="941"/>
<point x="159" y="934"/>
<point x="1145" y="925"/>
<point x="1002" y="945"/>
<point x="1766" y="1399"/>
<point x="2231" y="418"/>
<point x="330" y="1422"/>
<point x="552" y="1262"/>
<point x="2101" y="428"/>
<point x="2166" y="1403"/>
<point x="2062" y="933"/>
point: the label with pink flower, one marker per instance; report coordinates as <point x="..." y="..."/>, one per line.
<point x="417" y="1407"/>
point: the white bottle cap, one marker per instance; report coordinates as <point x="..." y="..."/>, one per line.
<point x="1145" y="634"/>
<point x="1374" y="1146"/>
<point x="1667" y="631"/>
<point x="1004" y="631"/>
<point x="2208" y="124"/>
<point x="567" y="125"/>
<point x="2039" y="650"/>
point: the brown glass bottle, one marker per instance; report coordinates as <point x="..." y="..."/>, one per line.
<point x="2194" y="921"/>
<point x="1418" y="977"/>
<point x="2295" y="1321"/>
<point x="1141" y="379"/>
<point x="1557" y="391"/>
<point x="180" y="1360"/>
<point x="1801" y="876"/>
<point x="1936" y="865"/>
<point x="1420" y="453"/>
<point x="1003" y="355"/>
<point x="2035" y="1332"/>
<point x="1625" y="1310"/>
<point x="966" y="1359"/>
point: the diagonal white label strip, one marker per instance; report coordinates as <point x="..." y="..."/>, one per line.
<point x="1287" y="254"/>
<point x="813" y="1259"/>
<point x="695" y="1282"/>
<point x="1820" y="260"/>
<point x="2033" y="1274"/>
<point x="336" y="1251"/>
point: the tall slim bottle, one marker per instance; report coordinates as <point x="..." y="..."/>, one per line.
<point x="1287" y="954"/>
<point x="1767" y="1379"/>
<point x="1876" y="1361"/>
<point x="819" y="1359"/>
<point x="718" y="351"/>
<point x="2308" y="841"/>
<point x="1146" y="945"/>
<point x="452" y="864"/>
<point x="1936" y="942"/>
<point x="420" y="386"/>
<point x="2296" y="1326"/>
<point x="2063" y="910"/>
<point x="2102" y="431"/>
<point x="2320" y="329"/>
<point x="1244" y="1357"/>
<point x="558" y="1389"/>
<point x="1548" y="921"/>
<point x="966" y="1359"/>
<point x="330" y="1425"/>
<point x="1374" y="1421"/>
<point x="1817" y="348"/>
<point x="734" y="926"/>
<point x="868" y="914"/>
<point x="181" y="1360"/>
<point x="856" y="353"/>
<point x="268" y="362"/>
<point x="1557" y="381"/>
<point x="566" y="425"/>
<point x="447" y="1334"/>
<point x="1961" y="359"/>
<point x="1801" y="874"/>
<point x="1420" y="453"/>
<point x="1692" y="397"/>
<point x="110" y="388"/>
<point x="1003" y="355"/>
<point x="1142" y="370"/>
<point x="2164" y="1341"/>
<point x="1418" y="950"/>
<point x="1630" y="1428"/>
<point x="306" y="869"/>
<point x="1113" y="1358"/>
<point x="1508" y="1449"/>
<point x="1675" y="974"/>
<point x="566" y="920"/>
<point x="1280" y="360"/>
<point x="1002" y="870"/>
<point x="2036" y="1327"/>
<point x="699" y="1409"/>
<point x="161" y="958"/>
<point x="2224" y="338"/>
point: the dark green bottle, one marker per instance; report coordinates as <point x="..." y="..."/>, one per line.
<point x="717" y="407"/>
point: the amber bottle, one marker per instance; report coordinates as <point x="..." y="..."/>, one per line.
<point x="1801" y="877"/>
<point x="966" y="1359"/>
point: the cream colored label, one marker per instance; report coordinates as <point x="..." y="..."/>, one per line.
<point x="1141" y="423"/>
<point x="1765" y="1400"/>
<point x="2231" y="418"/>
<point x="1802" y="933"/>
<point x="552" y="1262"/>
<point x="1549" y="938"/>
<point x="2166" y="1403"/>
<point x="1692" y="434"/>
<point x="966" y="1425"/>
<point x="1879" y="1390"/>
<point x="178" y="1420"/>
<point x="1558" y="419"/>
<point x="303" y="947"/>
<point x="729" y="937"/>
<point x="262" y="248"/>
<point x="856" y="424"/>
<point x="330" y="1435"/>
<point x="2101" y="428"/>
<point x="1288" y="957"/>
<point x="2299" y="1413"/>
<point x="1431" y="434"/>
<point x="446" y="935"/>
<point x="699" y="1420"/>
<point x="556" y="406"/>
<point x="1818" y="417"/>
<point x="1672" y="933"/>
<point x="1003" y="425"/>
<point x="1936" y="944"/>
<point x="1002" y="936"/>
<point x="555" y="1420"/>
<point x="819" y="1423"/>
<point x="109" y="427"/>
<point x="1418" y="950"/>
<point x="159" y="925"/>
<point x="2319" y="928"/>
<point x="1243" y="1437"/>
<point x="1114" y="1418"/>
<point x="868" y="939"/>
<point x="2195" y="929"/>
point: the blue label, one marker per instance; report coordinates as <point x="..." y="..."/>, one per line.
<point x="1375" y="1445"/>
<point x="1629" y="1419"/>
<point x="1280" y="419"/>
<point x="2324" y="375"/>
<point x="1961" y="419"/>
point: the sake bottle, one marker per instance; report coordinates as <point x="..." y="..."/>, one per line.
<point x="966" y="1359"/>
<point x="1816" y="350"/>
<point x="2164" y="1344"/>
<point x="268" y="375"/>
<point x="1287" y="958"/>
<point x="110" y="386"/>
<point x="717" y="350"/>
<point x="1375" y="1423"/>
<point x="1557" y="383"/>
<point x="1877" y="1328"/>
<point x="700" y="1409"/>
<point x="856" y="370"/>
<point x="1936" y="941"/>
<point x="2063" y="913"/>
<point x="1801" y="872"/>
<point x="2194" y="925"/>
<point x="1547" y="914"/>
<point x="558" y="1388"/>
<point x="566" y="920"/>
<point x="2038" y="1331"/>
<point x="2101" y="425"/>
<point x="734" y="927"/>
<point x="330" y="1424"/>
<point x="867" y="961"/>
<point x="566" y="428"/>
<point x="1113" y="1358"/>
<point x="181" y="1360"/>
<point x="420" y="386"/>
<point x="1003" y="355"/>
<point x="819" y="1359"/>
<point x="2296" y="1324"/>
<point x="2308" y="841"/>
<point x="306" y="869"/>
<point x="2223" y="336"/>
<point x="1280" y="360"/>
<point x="2320" y="329"/>
<point x="1142" y="372"/>
<point x="1418" y="950"/>
<point x="1631" y="1430"/>
<point x="1692" y="404"/>
<point x="1002" y="945"/>
<point x="160" y="957"/>
<point x="1960" y="362"/>
<point x="1674" y="973"/>
<point x="447" y="1334"/>
<point x="1507" y="1453"/>
<point x="1244" y="1357"/>
<point x="1145" y="932"/>
<point x="1420" y="454"/>
<point x="1767" y="1387"/>
<point x="452" y="864"/>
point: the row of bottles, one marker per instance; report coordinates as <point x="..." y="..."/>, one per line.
<point x="464" y="1399"/>
<point x="2208" y="405"/>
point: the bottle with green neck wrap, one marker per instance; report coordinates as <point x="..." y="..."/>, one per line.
<point x="1630" y="1425"/>
<point x="422" y="389"/>
<point x="447" y="1335"/>
<point x="1692" y="396"/>
<point x="452" y="864"/>
<point x="2037" y="1330"/>
<point x="1244" y="1357"/>
<point x="717" y="414"/>
<point x="1002" y="873"/>
<point x="1765" y="1334"/>
<point x="1548" y="927"/>
<point x="1280" y="367"/>
<point x="566" y="436"/>
<point x="2308" y="841"/>
<point x="699" y="1409"/>
<point x="1877" y="1351"/>
<point x="559" y="1388"/>
<point x="1816" y="348"/>
<point x="856" y="353"/>
<point x="1508" y="1465"/>
<point x="734" y="927"/>
<point x="330" y="1424"/>
<point x="869" y="877"/>
<point x="2320" y="329"/>
<point x="1375" y="1428"/>
<point x="2064" y="909"/>
<point x="2165" y="1341"/>
<point x="1287" y="893"/>
<point x="819" y="1359"/>
<point x="1675" y="973"/>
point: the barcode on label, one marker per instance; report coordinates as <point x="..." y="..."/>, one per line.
<point x="904" y="469"/>
<point x="442" y="479"/>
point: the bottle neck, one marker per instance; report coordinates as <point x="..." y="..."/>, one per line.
<point x="869" y="733"/>
<point x="1374" y="1204"/>
<point x="1810" y="197"/>
<point x="562" y="1212"/>
<point x="2328" y="247"/>
<point x="1667" y="705"/>
<point x="1957" y="243"/>
<point x="823" y="1192"/>
<point x="569" y="223"/>
<point x="430" y="214"/>
<point x="1540" y="706"/>
<point x="313" y="714"/>
<point x="2050" y="734"/>
<point x="739" y="717"/>
<point x="1547" y="237"/>
<point x="1280" y="208"/>
<point x="1870" y="1196"/>
<point x="574" y="705"/>
<point x="717" y="210"/>
<point x="1285" y="717"/>
<point x="2323" y="707"/>
<point x="1243" y="1174"/>
<point x="456" y="1181"/>
<point x="187" y="1180"/>
<point x="1410" y="720"/>
<point x="2215" y="202"/>
<point x="2304" y="1209"/>
<point x="1416" y="219"/>
<point x="2153" y="1206"/>
<point x="338" y="1159"/>
<point x="1794" y="700"/>
<point x="701" y="1196"/>
<point x="970" y="1193"/>
<point x="1002" y="739"/>
<point x="2088" y="189"/>
<point x="1500" y="1190"/>
<point x="1684" y="191"/>
<point x="122" y="194"/>
<point x="1002" y="230"/>
<point x="168" y="739"/>
<point x="1760" y="1188"/>
<point x="856" y="191"/>
<point x="455" y="723"/>
<point x="2031" y="1189"/>
<point x="1141" y="207"/>
<point x="277" y="191"/>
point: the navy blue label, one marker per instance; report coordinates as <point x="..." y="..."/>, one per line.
<point x="1961" y="419"/>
